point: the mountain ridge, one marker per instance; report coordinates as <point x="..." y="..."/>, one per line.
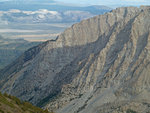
<point x="76" y="73"/>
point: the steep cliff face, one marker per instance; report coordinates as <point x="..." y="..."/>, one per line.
<point x="96" y="62"/>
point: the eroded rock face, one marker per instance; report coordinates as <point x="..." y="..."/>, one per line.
<point x="101" y="60"/>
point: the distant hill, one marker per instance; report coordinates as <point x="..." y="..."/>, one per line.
<point x="11" y="104"/>
<point x="45" y="16"/>
<point x="33" y="5"/>
<point x="10" y="49"/>
<point x="37" y="11"/>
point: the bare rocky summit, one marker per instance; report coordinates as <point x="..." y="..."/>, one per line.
<point x="100" y="65"/>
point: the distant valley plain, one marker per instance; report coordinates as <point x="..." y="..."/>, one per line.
<point x="32" y="32"/>
<point x="26" y="20"/>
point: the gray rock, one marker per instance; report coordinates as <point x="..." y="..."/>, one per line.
<point x="101" y="61"/>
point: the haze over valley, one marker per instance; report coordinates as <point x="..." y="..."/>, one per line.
<point x="41" y="20"/>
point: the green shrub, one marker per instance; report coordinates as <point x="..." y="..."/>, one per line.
<point x="46" y="111"/>
<point x="5" y="94"/>
<point x="131" y="111"/>
<point x="1" y="111"/>
<point x="4" y="100"/>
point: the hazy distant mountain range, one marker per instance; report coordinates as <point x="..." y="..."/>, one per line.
<point x="29" y="16"/>
<point x="32" y="5"/>
<point x="43" y="16"/>
<point x="46" y="11"/>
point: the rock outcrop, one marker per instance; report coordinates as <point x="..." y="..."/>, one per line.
<point x="101" y="61"/>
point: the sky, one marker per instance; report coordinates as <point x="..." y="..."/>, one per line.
<point x="108" y="2"/>
<point x="111" y="3"/>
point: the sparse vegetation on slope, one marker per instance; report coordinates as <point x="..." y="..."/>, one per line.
<point x="11" y="104"/>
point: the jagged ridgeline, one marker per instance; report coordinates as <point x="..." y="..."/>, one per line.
<point x="99" y="65"/>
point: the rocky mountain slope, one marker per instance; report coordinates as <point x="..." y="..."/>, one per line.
<point x="98" y="65"/>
